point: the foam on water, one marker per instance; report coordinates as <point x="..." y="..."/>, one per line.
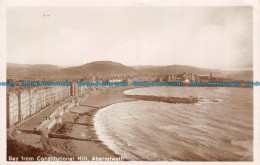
<point x="212" y="131"/>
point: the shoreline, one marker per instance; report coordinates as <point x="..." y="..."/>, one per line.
<point x="80" y="119"/>
<point x="79" y="123"/>
<point x="77" y="135"/>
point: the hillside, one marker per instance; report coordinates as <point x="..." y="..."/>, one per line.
<point x="31" y="71"/>
<point x="101" y="68"/>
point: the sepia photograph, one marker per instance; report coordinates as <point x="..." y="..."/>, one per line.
<point x="152" y="83"/>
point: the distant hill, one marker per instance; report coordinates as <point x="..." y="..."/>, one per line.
<point x="101" y="68"/>
<point x="31" y="71"/>
<point x="38" y="67"/>
<point x="106" y="68"/>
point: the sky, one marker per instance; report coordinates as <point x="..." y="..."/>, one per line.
<point x="209" y="37"/>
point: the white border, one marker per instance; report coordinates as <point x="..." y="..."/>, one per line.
<point x="2" y="79"/>
<point x="256" y="52"/>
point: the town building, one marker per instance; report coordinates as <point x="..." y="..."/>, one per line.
<point x="12" y="108"/>
<point x="24" y="97"/>
<point x="23" y="102"/>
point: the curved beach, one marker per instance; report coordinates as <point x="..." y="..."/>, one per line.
<point x="79" y="123"/>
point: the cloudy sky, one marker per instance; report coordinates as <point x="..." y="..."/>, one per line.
<point x="212" y="37"/>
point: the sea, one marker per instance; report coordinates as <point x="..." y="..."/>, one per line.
<point x="219" y="127"/>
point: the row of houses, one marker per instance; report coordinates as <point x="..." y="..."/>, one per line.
<point x="23" y="102"/>
<point x="183" y="77"/>
<point x="186" y="77"/>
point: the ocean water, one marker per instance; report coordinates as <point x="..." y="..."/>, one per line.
<point x="205" y="131"/>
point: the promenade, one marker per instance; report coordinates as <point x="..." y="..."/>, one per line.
<point x="75" y="135"/>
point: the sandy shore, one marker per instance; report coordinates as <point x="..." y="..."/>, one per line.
<point x="77" y="124"/>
